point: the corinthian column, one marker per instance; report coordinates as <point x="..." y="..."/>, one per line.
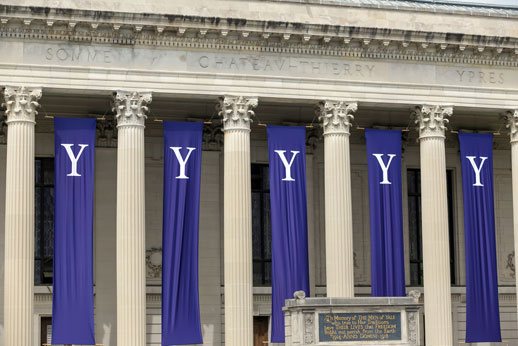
<point x="335" y="117"/>
<point x="434" y="205"/>
<point x="130" y="110"/>
<point x="512" y="124"/>
<point x="21" y="106"/>
<point x="236" y="112"/>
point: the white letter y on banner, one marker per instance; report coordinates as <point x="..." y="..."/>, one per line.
<point x="384" y="168"/>
<point x="182" y="161"/>
<point x="74" y="159"/>
<point x="477" y="169"/>
<point x="287" y="165"/>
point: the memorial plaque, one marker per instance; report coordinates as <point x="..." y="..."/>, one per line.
<point x="361" y="326"/>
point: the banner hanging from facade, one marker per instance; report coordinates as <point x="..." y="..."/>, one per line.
<point x="386" y="212"/>
<point x="482" y="310"/>
<point x="73" y="293"/>
<point x="182" y="175"/>
<point x="290" y="273"/>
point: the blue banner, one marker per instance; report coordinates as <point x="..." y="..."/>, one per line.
<point x="482" y="310"/>
<point x="386" y="212"/>
<point x="73" y="293"/>
<point x="182" y="175"/>
<point x="290" y="273"/>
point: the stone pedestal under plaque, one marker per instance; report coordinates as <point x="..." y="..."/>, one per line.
<point x="380" y="321"/>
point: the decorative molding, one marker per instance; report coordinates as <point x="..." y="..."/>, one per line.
<point x="212" y="137"/>
<point x="178" y="31"/>
<point x="413" y="319"/>
<point x="512" y="125"/>
<point x="309" y="328"/>
<point x="154" y="263"/>
<point x="510" y="265"/>
<point x="106" y="130"/>
<point x="432" y="120"/>
<point x="237" y="112"/>
<point x="130" y="107"/>
<point x="336" y="116"/>
<point x="21" y="104"/>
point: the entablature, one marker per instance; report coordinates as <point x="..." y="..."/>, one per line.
<point x="134" y="29"/>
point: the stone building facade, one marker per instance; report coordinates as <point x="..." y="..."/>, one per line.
<point x="429" y="69"/>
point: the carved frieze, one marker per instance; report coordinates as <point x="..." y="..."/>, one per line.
<point x="432" y="120"/>
<point x="336" y="116"/>
<point x="21" y="104"/>
<point x="131" y="107"/>
<point x="237" y="112"/>
<point x="510" y="265"/>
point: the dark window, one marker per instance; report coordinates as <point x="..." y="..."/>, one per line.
<point x="44" y="219"/>
<point x="414" y="225"/>
<point x="261" y="228"/>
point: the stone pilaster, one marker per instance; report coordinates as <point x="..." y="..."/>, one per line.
<point x="130" y="108"/>
<point x="21" y="104"/>
<point x="336" y="119"/>
<point x="432" y="120"/>
<point x="236" y="112"/>
<point x="512" y="125"/>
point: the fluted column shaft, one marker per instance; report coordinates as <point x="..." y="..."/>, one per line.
<point x="512" y="124"/>
<point x="237" y="204"/>
<point x="131" y="235"/>
<point x="21" y="106"/>
<point x="435" y="235"/>
<point x="335" y="117"/>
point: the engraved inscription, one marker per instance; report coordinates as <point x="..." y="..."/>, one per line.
<point x="79" y="53"/>
<point x="286" y="64"/>
<point x="362" y="326"/>
<point x="480" y="77"/>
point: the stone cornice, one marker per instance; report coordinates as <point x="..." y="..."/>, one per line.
<point x="255" y="36"/>
<point x="398" y="5"/>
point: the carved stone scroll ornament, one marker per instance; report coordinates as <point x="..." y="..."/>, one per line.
<point x="131" y="107"/>
<point x="432" y="120"/>
<point x="336" y="116"/>
<point x="21" y="104"/>
<point x="154" y="263"/>
<point x="3" y="128"/>
<point x="512" y="125"/>
<point x="106" y="133"/>
<point x="237" y="112"/>
<point x="212" y="137"/>
<point x="510" y="264"/>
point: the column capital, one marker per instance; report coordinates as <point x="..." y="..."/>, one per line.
<point x="21" y="103"/>
<point x="432" y="120"/>
<point x="512" y="124"/>
<point x="237" y="112"/>
<point x="130" y="107"/>
<point x="336" y="116"/>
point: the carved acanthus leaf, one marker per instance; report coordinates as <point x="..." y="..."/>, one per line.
<point x="432" y="120"/>
<point x="336" y="116"/>
<point x="21" y="104"/>
<point x="237" y="112"/>
<point x="131" y="107"/>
